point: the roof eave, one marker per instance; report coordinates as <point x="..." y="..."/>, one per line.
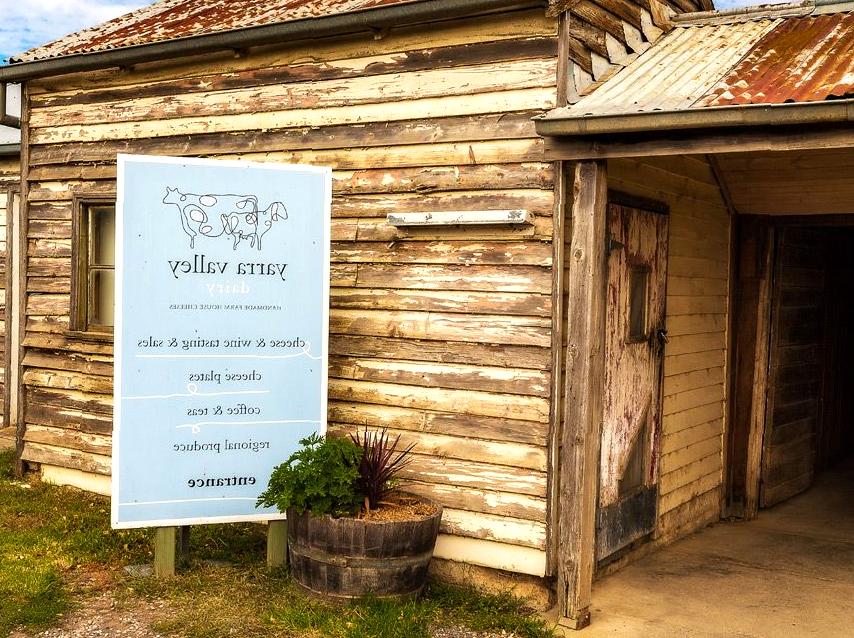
<point x="368" y="20"/>
<point x="558" y="124"/>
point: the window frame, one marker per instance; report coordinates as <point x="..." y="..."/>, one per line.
<point x="631" y="336"/>
<point x="80" y="251"/>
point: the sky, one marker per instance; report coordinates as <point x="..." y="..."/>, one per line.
<point x="28" y="23"/>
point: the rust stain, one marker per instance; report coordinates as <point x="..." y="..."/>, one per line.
<point x="171" y="19"/>
<point x="800" y="60"/>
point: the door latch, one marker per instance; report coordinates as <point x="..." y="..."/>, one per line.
<point x="661" y="335"/>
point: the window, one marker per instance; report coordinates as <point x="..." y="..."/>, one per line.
<point x="94" y="256"/>
<point x="638" y="286"/>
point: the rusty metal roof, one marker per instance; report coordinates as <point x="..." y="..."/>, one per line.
<point x="801" y="60"/>
<point x="172" y="19"/>
<point x="750" y="57"/>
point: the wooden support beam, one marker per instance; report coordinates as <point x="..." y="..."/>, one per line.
<point x="277" y="544"/>
<point x="585" y="364"/>
<point x="776" y="138"/>
<point x="563" y="173"/>
<point x="761" y="355"/>
<point x="164" y="551"/>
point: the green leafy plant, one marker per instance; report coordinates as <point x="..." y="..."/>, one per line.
<point x="380" y="464"/>
<point x="322" y="477"/>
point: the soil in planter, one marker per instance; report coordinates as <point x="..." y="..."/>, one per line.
<point x="399" y="508"/>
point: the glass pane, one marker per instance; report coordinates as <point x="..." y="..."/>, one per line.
<point x="103" y="229"/>
<point x="638" y="279"/>
<point x="102" y="298"/>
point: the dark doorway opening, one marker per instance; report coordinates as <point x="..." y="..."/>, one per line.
<point x="793" y="365"/>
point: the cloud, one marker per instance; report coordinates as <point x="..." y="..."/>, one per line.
<point x="28" y="23"/>
<point x="722" y="5"/>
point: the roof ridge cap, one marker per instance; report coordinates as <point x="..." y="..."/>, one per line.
<point x="752" y="13"/>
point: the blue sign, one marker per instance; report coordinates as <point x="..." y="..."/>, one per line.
<point x="222" y="297"/>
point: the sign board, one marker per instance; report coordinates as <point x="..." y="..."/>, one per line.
<point x="222" y="297"/>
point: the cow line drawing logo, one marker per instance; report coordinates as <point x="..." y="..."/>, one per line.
<point x="231" y="215"/>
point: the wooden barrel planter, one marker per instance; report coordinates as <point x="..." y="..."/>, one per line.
<point x="349" y="558"/>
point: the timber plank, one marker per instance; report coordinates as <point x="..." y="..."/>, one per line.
<point x="689" y="344"/>
<point x="690" y="454"/>
<point x="678" y="285"/>
<point x="60" y="342"/>
<point x="498" y="503"/>
<point x="694" y="416"/>
<point x="441" y="351"/>
<point x="535" y="201"/>
<point x="314" y="70"/>
<point x="482" y="476"/>
<point x="519" y="278"/>
<point x="696" y="324"/>
<point x="57" y="379"/>
<point x="530" y="331"/>
<point x="524" y="99"/>
<point x="503" y="28"/>
<point x="689" y="436"/>
<point x="441" y="446"/>
<point x="321" y="94"/>
<point x="66" y="418"/>
<point x="681" y="363"/>
<point x="438" y="130"/>
<point x="462" y="401"/>
<point x="702" y="510"/>
<point x="451" y="376"/>
<point x="438" y="252"/>
<point x="498" y="303"/>
<point x="64" y="457"/>
<point x="494" y="528"/>
<point x="68" y="438"/>
<point x="675" y="403"/>
<point x="414" y="155"/>
<point x="49" y="284"/>
<point x="88" y="364"/>
<point x="687" y="474"/>
<point x="440" y="423"/>
<point x="48" y="304"/>
<point x="85" y="402"/>
<point x="688" y="492"/>
<point x="685" y="305"/>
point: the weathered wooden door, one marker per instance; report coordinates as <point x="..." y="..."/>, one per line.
<point x="635" y="335"/>
<point x="795" y="375"/>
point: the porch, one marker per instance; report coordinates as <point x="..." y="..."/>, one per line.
<point x="789" y="572"/>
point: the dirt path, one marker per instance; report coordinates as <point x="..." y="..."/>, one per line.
<point x="102" y="616"/>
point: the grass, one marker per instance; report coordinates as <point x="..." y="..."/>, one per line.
<point x="50" y="535"/>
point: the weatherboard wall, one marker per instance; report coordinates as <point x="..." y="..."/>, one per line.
<point x="441" y="334"/>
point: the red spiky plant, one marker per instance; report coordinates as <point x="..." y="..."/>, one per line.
<point x="381" y="463"/>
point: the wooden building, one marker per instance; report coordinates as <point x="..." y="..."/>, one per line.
<point x="10" y="184"/>
<point x="582" y="387"/>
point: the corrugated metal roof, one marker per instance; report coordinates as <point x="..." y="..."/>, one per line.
<point x="675" y="71"/>
<point x="171" y="19"/>
<point x="802" y="60"/>
<point x="743" y="61"/>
